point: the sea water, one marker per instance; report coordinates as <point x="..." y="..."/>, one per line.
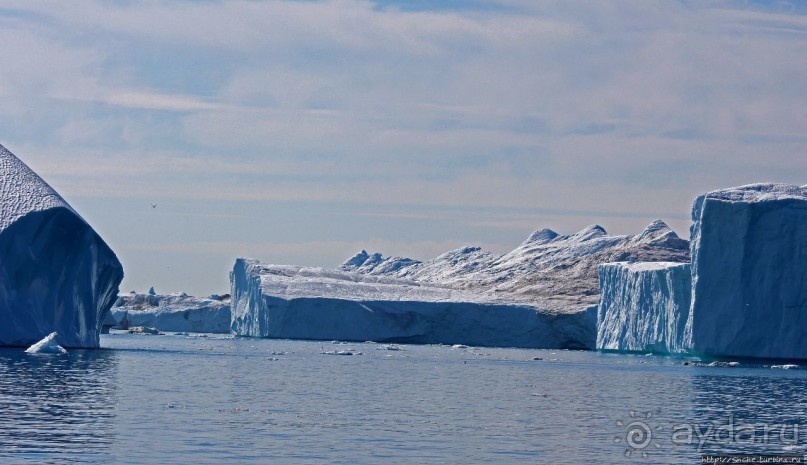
<point x="222" y="400"/>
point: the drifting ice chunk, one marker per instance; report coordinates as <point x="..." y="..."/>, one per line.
<point x="643" y="307"/>
<point x="785" y="367"/>
<point x="48" y="345"/>
<point x="749" y="272"/>
<point x="56" y="273"/>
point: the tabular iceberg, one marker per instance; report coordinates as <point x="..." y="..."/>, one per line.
<point x="749" y="272"/>
<point x="314" y="303"/>
<point x="173" y="312"/>
<point x="542" y="294"/>
<point x="644" y="307"/>
<point x="56" y="273"/>
<point x="747" y="293"/>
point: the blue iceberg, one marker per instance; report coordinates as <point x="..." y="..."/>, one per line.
<point x="746" y="296"/>
<point x="56" y="273"/>
<point x="749" y="272"/>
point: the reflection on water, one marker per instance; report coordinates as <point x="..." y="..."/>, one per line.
<point x="57" y="409"/>
<point x="757" y="411"/>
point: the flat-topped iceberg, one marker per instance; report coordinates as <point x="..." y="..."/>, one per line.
<point x="173" y="312"/>
<point x="542" y="294"/>
<point x="644" y="307"/>
<point x="748" y="292"/>
<point x="56" y="273"/>
<point x="749" y="272"/>
<point x="313" y="303"/>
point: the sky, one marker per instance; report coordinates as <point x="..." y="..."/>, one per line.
<point x="300" y="132"/>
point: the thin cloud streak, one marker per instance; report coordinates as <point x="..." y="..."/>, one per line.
<point x="573" y="112"/>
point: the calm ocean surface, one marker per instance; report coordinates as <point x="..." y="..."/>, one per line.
<point x="220" y="400"/>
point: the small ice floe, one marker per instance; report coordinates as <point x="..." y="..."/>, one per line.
<point x="459" y="346"/>
<point x="48" y="345"/>
<point x="143" y="330"/>
<point x="340" y="352"/>
<point x="724" y="364"/>
<point x="785" y="367"/>
<point x="713" y="364"/>
<point x="388" y="347"/>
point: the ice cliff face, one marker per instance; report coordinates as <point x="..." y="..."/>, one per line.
<point x="174" y="312"/>
<point x="314" y="303"/>
<point x="644" y="307"/>
<point x="748" y="292"/>
<point x="56" y="273"/>
<point x="749" y="272"/>
<point x="542" y="294"/>
<point x="552" y="271"/>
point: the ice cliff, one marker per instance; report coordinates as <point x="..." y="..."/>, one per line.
<point x="749" y="272"/>
<point x="173" y="312"/>
<point x="748" y="293"/>
<point x="56" y="273"/>
<point x="313" y="303"/>
<point x="643" y="307"/>
<point x="542" y="294"/>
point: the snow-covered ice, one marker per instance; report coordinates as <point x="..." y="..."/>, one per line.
<point x="48" y="345"/>
<point x="313" y="303"/>
<point x="174" y="312"/>
<point x="543" y="294"/>
<point x="56" y="273"/>
<point x="643" y="307"/>
<point x="548" y="270"/>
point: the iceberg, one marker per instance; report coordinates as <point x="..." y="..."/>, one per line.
<point x="543" y="294"/>
<point x="644" y="307"/>
<point x="56" y="273"/>
<point x="749" y="272"/>
<point x="746" y="294"/>
<point x="177" y="312"/>
<point x="552" y="271"/>
<point x="48" y="345"/>
<point x="295" y="302"/>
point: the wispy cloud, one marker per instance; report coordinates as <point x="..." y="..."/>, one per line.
<point x="577" y="110"/>
<point x="155" y="101"/>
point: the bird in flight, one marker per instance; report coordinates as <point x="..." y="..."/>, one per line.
<point x="154" y="205"/>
